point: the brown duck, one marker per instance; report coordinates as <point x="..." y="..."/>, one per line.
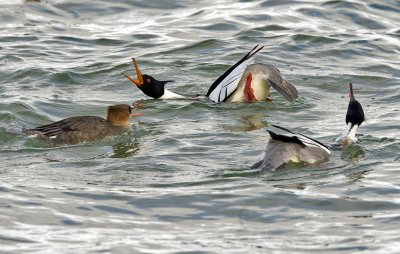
<point x="79" y="129"/>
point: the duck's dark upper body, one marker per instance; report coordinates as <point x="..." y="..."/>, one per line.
<point x="79" y="129"/>
<point x="355" y="113"/>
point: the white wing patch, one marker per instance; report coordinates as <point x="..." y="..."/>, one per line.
<point x="229" y="84"/>
<point x="309" y="142"/>
<point x="304" y="139"/>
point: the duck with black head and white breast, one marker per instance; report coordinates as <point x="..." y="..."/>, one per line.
<point x="293" y="147"/>
<point x="152" y="87"/>
<point x="243" y="81"/>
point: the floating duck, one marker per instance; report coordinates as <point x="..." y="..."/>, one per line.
<point x="79" y="129"/>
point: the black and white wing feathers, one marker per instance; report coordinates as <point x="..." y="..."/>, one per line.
<point x="291" y="146"/>
<point x="227" y="83"/>
<point x="306" y="141"/>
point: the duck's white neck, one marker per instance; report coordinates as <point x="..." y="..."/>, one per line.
<point x="171" y="95"/>
<point x="348" y="136"/>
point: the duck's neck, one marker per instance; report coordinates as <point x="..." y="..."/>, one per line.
<point x="171" y="95"/>
<point x="118" y="120"/>
<point x="348" y="136"/>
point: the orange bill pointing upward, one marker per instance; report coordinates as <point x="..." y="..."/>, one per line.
<point x="138" y="81"/>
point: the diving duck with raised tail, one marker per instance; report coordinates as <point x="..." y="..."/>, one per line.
<point x="243" y="81"/>
<point x="297" y="148"/>
<point x="79" y="129"/>
<point x="291" y="147"/>
<point x="354" y="118"/>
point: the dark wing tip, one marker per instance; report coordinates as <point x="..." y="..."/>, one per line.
<point x="280" y="127"/>
<point x="284" y="138"/>
<point x="295" y="139"/>
<point x="254" y="51"/>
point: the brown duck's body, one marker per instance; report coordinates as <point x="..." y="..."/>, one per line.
<point x="79" y="129"/>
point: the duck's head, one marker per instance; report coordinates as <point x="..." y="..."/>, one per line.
<point x="149" y="85"/>
<point x="118" y="115"/>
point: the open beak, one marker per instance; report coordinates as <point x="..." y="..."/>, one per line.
<point x="137" y="114"/>
<point x="135" y="105"/>
<point x="138" y="81"/>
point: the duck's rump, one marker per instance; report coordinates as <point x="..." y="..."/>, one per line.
<point x="76" y="129"/>
<point x="291" y="146"/>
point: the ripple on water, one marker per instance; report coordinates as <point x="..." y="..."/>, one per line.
<point x="362" y="21"/>
<point x="343" y="4"/>
<point x="312" y="12"/>
<point x="276" y="3"/>
<point x="80" y="40"/>
<point x="272" y="28"/>
<point x="219" y="26"/>
<point x="197" y="47"/>
<point x="314" y="40"/>
<point x="16" y="39"/>
<point x="157" y="4"/>
<point x="8" y="58"/>
<point x="384" y="7"/>
<point x="256" y="17"/>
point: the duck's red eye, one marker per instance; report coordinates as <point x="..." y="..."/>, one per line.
<point x="148" y="81"/>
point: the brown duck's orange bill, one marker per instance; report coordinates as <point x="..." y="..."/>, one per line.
<point x="137" y="114"/>
<point x="138" y="81"/>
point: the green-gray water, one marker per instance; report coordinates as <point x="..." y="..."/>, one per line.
<point x="181" y="183"/>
